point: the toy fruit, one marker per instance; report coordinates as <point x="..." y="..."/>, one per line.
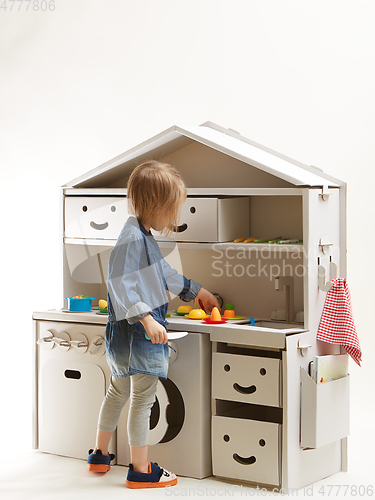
<point x="215" y="314"/>
<point x="102" y="304"/>
<point x="229" y="311"/>
<point x="184" y="309"/>
<point x="197" y="314"/>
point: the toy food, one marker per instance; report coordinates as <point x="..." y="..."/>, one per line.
<point x="184" y="309"/>
<point x="229" y="311"/>
<point x="81" y="297"/>
<point x="215" y="314"/>
<point x="102" y="304"/>
<point x="197" y="314"/>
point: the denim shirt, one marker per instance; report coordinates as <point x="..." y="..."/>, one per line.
<point x="138" y="280"/>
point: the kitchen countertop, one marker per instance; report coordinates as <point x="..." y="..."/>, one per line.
<point x="229" y="332"/>
<point x="101" y="319"/>
<point x="76" y="317"/>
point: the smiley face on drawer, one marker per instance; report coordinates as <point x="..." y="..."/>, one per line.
<point x="94" y="217"/>
<point x="248" y="379"/>
<point x="245" y="449"/>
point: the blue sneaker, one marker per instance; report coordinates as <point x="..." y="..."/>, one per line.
<point x="156" y="477"/>
<point x="97" y="462"/>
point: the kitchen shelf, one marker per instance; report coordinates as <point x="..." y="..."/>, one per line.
<point x="217" y="191"/>
<point x="95" y="192"/>
<point x="275" y="248"/>
<point x="90" y="242"/>
<point x="271" y="247"/>
<point x="205" y="192"/>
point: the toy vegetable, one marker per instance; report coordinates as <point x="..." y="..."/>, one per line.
<point x="215" y="314"/>
<point x="229" y="311"/>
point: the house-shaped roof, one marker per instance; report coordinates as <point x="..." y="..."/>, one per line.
<point x="208" y="156"/>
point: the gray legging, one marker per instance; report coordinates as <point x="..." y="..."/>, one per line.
<point x="141" y="389"/>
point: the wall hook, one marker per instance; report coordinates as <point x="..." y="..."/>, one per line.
<point x="325" y="193"/>
<point x="324" y="285"/>
<point x="303" y="347"/>
<point x="324" y="247"/>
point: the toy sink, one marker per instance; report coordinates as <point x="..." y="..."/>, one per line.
<point x="276" y="325"/>
<point x="270" y="334"/>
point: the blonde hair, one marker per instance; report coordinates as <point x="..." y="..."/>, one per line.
<point x="156" y="190"/>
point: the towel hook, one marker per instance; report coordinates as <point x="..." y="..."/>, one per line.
<point x="324" y="247"/>
<point x="324" y="285"/>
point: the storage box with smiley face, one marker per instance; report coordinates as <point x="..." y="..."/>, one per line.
<point x="213" y="219"/>
<point x="95" y="217"/>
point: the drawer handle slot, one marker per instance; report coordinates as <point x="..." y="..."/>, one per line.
<point x="182" y="227"/>
<point x="244" y="390"/>
<point x="244" y="461"/>
<point x="74" y="374"/>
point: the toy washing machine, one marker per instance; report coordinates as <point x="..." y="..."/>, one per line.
<point x="180" y="427"/>
<point x="71" y="380"/>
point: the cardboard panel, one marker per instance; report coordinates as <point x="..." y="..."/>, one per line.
<point x="245" y="449"/>
<point x="213" y="220"/>
<point x="325" y="411"/>
<point x="183" y="445"/>
<point x="96" y="217"/>
<point x="248" y="379"/>
<point x="217" y="139"/>
<point x="71" y="395"/>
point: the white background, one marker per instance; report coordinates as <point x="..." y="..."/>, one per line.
<point x="92" y="79"/>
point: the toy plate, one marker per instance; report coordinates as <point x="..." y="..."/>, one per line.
<point x="209" y="321"/>
<point x="176" y="335"/>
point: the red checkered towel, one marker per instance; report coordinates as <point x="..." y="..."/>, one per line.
<point x="336" y="324"/>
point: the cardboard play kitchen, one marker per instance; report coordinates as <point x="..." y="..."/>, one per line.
<point x="238" y="400"/>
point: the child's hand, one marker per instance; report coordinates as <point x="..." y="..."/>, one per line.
<point x="156" y="331"/>
<point x="208" y="300"/>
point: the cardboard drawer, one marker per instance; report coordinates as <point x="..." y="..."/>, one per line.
<point x="70" y="398"/>
<point x="325" y="411"/>
<point x="70" y="386"/>
<point x="248" y="379"/>
<point x="246" y="449"/>
<point x="94" y="217"/>
<point x="213" y="219"/>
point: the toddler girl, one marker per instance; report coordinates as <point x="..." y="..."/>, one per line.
<point x="138" y="281"/>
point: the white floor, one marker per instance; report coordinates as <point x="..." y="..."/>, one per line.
<point x="33" y="475"/>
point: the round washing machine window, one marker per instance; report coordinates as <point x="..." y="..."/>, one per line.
<point x="167" y="413"/>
